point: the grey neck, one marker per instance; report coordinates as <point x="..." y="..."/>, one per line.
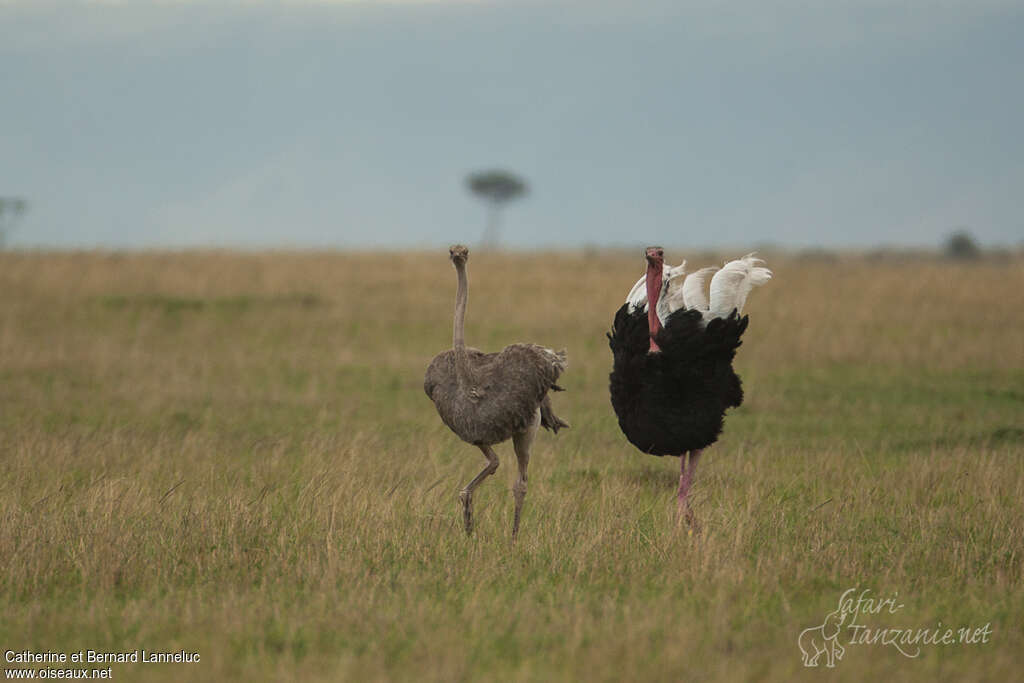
<point x="462" y="369"/>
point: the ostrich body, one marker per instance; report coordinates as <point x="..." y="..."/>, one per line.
<point x="488" y="398"/>
<point x="672" y="378"/>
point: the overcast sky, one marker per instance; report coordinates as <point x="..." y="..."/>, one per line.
<point x="691" y="123"/>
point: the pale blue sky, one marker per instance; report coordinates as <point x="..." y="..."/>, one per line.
<point x="228" y="123"/>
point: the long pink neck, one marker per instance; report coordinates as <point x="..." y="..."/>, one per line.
<point x="654" y="278"/>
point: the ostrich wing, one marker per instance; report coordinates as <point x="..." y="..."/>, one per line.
<point x="694" y="295"/>
<point x="731" y="285"/>
<point x="513" y="384"/>
<point x="637" y="297"/>
<point x="507" y="389"/>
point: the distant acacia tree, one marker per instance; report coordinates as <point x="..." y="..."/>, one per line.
<point x="961" y="246"/>
<point x="496" y="188"/>
<point x="11" y="210"/>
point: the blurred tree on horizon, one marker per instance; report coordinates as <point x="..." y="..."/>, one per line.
<point x="496" y="188"/>
<point x="961" y="246"/>
<point x="11" y="210"/>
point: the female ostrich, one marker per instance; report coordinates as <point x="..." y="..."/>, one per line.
<point x="672" y="378"/>
<point x="488" y="398"/>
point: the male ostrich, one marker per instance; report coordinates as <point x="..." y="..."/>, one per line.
<point x="672" y="378"/>
<point x="488" y="398"/>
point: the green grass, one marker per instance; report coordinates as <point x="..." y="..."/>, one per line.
<point x="233" y="454"/>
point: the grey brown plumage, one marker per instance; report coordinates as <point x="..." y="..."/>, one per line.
<point x="507" y="388"/>
<point x="488" y="398"/>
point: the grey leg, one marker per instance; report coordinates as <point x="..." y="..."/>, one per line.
<point x="522" y="442"/>
<point x="466" y="496"/>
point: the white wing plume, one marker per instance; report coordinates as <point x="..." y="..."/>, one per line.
<point x="637" y="297"/>
<point x="694" y="292"/>
<point x="730" y="287"/>
<point x="671" y="298"/>
<point x="732" y="284"/>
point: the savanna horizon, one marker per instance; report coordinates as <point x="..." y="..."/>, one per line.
<point x="230" y="453"/>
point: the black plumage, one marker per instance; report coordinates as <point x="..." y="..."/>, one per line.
<point x="674" y="401"/>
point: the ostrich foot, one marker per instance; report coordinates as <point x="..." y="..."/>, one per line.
<point x="686" y="516"/>
<point x="467" y="510"/>
<point x="519" y="492"/>
<point x="466" y="496"/>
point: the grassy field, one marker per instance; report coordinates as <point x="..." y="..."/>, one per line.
<point x="232" y="454"/>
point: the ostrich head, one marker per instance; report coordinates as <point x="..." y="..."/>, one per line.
<point x="458" y="254"/>
<point x="655" y="274"/>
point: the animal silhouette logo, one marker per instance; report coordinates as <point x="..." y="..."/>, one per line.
<point x="823" y="640"/>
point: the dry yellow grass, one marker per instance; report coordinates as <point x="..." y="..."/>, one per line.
<point x="232" y="454"/>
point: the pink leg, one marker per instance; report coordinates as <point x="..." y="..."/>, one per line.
<point x="687" y="466"/>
